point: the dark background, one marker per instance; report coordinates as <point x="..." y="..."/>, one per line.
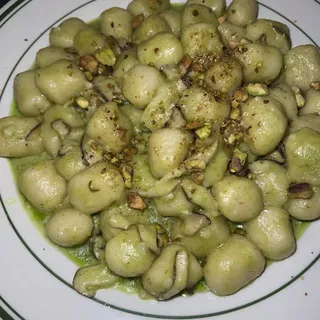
<point x="3" y="2"/>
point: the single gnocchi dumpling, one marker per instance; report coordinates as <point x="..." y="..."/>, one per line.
<point x="109" y="127"/>
<point x="195" y="13"/>
<point x="201" y="38"/>
<point x="217" y="6"/>
<point x="260" y="117"/>
<point x="60" y="81"/>
<point x="31" y="102"/>
<point x="96" y="188"/>
<point x="272" y="180"/>
<point x="305" y="209"/>
<point x="225" y="75"/>
<point x="239" y="199"/>
<point x="20" y="137"/>
<point x="42" y="186"/>
<point x="147" y="7"/>
<point x="271" y="32"/>
<point x="116" y="22"/>
<point x="150" y="27"/>
<point x="88" y="40"/>
<point x="174" y="204"/>
<point x="69" y="227"/>
<point x="167" y="150"/>
<point x="302" y="149"/>
<point x="199" y="234"/>
<point x="312" y="102"/>
<point x="127" y="254"/>
<point x="126" y="60"/>
<point x="197" y="104"/>
<point x="161" y="49"/>
<point x="173" y="271"/>
<point x="260" y="62"/>
<point x="231" y="35"/>
<point x="284" y="94"/>
<point x="302" y="66"/>
<point x="242" y="12"/>
<point x="49" y="55"/>
<point x="63" y="35"/>
<point x="173" y="18"/>
<point x="233" y="265"/>
<point x="272" y="233"/>
<point x="140" y="84"/>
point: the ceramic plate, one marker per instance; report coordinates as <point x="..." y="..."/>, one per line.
<point x="35" y="277"/>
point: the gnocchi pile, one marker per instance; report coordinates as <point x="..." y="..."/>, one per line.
<point x="180" y="143"/>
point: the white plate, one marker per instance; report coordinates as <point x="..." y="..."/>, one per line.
<point x="35" y="278"/>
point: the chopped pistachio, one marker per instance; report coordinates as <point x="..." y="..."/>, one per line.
<point x="299" y="96"/>
<point x="114" y="160"/>
<point x="88" y="63"/>
<point x="186" y="61"/>
<point x="238" y="161"/>
<point x="198" y="177"/>
<point x="315" y="85"/>
<point x="257" y="89"/>
<point x="88" y="75"/>
<point x="232" y="44"/>
<point x="192" y="125"/>
<point x="222" y="19"/>
<point x="135" y="201"/>
<point x="127" y="176"/>
<point x="300" y="191"/>
<point x="82" y="102"/>
<point x="106" y="57"/>
<point x="235" y="114"/>
<point x="234" y="104"/>
<point x="241" y="95"/>
<point x="195" y="165"/>
<point x="203" y="132"/>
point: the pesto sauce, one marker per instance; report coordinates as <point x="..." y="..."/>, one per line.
<point x="82" y="255"/>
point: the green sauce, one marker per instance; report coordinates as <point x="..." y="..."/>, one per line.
<point x="82" y="255"/>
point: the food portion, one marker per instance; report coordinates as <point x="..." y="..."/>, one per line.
<point x="179" y="144"/>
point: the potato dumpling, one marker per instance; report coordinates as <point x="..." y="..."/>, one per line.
<point x="95" y="188"/>
<point x="216" y="168"/>
<point x="88" y="40"/>
<point x="174" y="270"/>
<point x="272" y="180"/>
<point x="302" y="150"/>
<point x="63" y="35"/>
<point x="126" y="60"/>
<point x="242" y="12"/>
<point x="150" y="27"/>
<point x="217" y="6"/>
<point x="140" y="84"/>
<point x="302" y="66"/>
<point x="31" y="102"/>
<point x="261" y="63"/>
<point x="284" y="94"/>
<point x="20" y="137"/>
<point x="60" y="81"/>
<point x="175" y="204"/>
<point x="239" y="199"/>
<point x="233" y="265"/>
<point x="305" y="209"/>
<point x="109" y="127"/>
<point x="310" y="120"/>
<point x="312" y="102"/>
<point x="48" y="55"/>
<point x="173" y="18"/>
<point x="195" y="13"/>
<point x="225" y="75"/>
<point x="260" y="117"/>
<point x="167" y="149"/>
<point x="201" y="38"/>
<point x="272" y="233"/>
<point x="200" y="235"/>
<point x="69" y="227"/>
<point x="161" y="49"/>
<point x="116" y="22"/>
<point x="275" y="34"/>
<point x="231" y="35"/>
<point x="147" y="7"/>
<point x="127" y="255"/>
<point x="42" y="186"/>
<point x="197" y="104"/>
